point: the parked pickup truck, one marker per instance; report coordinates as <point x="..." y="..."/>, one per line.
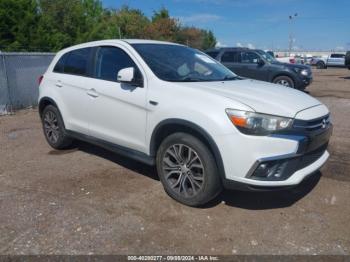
<point x="332" y="60"/>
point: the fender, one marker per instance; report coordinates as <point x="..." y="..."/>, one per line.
<point x="45" y="101"/>
<point x="180" y="123"/>
<point x="284" y="73"/>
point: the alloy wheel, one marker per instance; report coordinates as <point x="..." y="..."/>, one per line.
<point x="284" y="82"/>
<point x="183" y="170"/>
<point x="51" y="127"/>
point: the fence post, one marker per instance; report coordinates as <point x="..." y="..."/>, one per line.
<point x="8" y="104"/>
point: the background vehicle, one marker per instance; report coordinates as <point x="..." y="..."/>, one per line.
<point x="292" y="59"/>
<point x="201" y="125"/>
<point x="347" y="60"/>
<point x="337" y="60"/>
<point x="257" y="64"/>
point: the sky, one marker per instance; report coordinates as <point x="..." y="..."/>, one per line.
<point x="265" y="24"/>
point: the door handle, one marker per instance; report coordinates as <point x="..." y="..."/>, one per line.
<point x="59" y="83"/>
<point x="92" y="92"/>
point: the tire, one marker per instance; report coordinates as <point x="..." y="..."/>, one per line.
<point x="320" y="65"/>
<point x="285" y="81"/>
<point x="53" y="127"/>
<point x="196" y="180"/>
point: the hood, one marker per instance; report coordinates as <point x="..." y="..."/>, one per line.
<point x="261" y="96"/>
<point x="291" y="66"/>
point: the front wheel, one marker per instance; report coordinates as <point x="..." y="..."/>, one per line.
<point x="284" y="80"/>
<point x="187" y="170"/>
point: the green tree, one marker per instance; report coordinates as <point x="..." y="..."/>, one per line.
<point x="209" y="40"/>
<point x="132" y="22"/>
<point x="50" y="25"/>
<point x="18" y="24"/>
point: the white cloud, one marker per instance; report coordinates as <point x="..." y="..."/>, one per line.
<point x="340" y="48"/>
<point x="251" y="46"/>
<point x="220" y="44"/>
<point x="199" y="18"/>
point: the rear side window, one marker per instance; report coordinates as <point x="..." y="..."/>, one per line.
<point x="109" y="61"/>
<point x="337" y="56"/>
<point x="213" y="54"/>
<point x="74" y="62"/>
<point x="59" y="67"/>
<point x="230" y="57"/>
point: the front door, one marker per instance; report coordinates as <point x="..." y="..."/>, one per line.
<point x="251" y="67"/>
<point x="117" y="110"/>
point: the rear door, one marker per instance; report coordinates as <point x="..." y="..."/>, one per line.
<point x="336" y="60"/>
<point x="69" y="78"/>
<point x="117" y="112"/>
<point x="230" y="59"/>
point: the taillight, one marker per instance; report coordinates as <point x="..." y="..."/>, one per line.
<point x="292" y="60"/>
<point x="40" y="79"/>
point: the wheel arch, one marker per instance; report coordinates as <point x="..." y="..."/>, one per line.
<point x="45" y="101"/>
<point x="171" y="126"/>
<point x="284" y="74"/>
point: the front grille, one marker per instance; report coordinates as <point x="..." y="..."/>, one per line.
<point x="312" y="125"/>
<point x="311" y="157"/>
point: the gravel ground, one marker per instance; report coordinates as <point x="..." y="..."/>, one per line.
<point x="89" y="201"/>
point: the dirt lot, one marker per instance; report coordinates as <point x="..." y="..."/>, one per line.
<point x="89" y="201"/>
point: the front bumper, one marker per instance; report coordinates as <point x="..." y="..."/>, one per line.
<point x="301" y="155"/>
<point x="303" y="82"/>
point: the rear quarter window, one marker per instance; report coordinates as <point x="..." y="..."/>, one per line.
<point x="212" y="54"/>
<point x="74" y="62"/>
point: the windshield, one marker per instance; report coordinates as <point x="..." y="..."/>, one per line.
<point x="266" y="56"/>
<point x="178" y="63"/>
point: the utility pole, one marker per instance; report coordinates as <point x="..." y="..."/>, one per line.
<point x="291" y="37"/>
<point x="120" y="35"/>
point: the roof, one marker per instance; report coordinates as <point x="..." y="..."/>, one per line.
<point x="226" y="48"/>
<point x="145" y="41"/>
<point x="115" y="41"/>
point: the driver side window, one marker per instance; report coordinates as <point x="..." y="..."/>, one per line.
<point x="249" y="58"/>
<point x="109" y="61"/>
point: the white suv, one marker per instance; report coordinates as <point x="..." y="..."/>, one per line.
<point x="167" y="104"/>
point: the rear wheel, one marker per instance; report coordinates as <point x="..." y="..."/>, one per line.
<point x="320" y="65"/>
<point x="284" y="80"/>
<point x="53" y="127"/>
<point x="187" y="170"/>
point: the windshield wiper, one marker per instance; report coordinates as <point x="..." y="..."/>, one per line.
<point x="190" y="79"/>
<point x="230" y="78"/>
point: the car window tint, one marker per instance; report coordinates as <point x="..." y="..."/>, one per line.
<point x="76" y="62"/>
<point x="249" y="58"/>
<point x="213" y="54"/>
<point x="109" y="61"/>
<point x="59" y="67"/>
<point x="229" y="56"/>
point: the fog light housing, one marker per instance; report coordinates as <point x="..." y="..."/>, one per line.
<point x="272" y="171"/>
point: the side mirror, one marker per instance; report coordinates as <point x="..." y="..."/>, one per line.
<point x="128" y="76"/>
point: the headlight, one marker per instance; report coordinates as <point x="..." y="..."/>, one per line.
<point x="257" y="124"/>
<point x="304" y="72"/>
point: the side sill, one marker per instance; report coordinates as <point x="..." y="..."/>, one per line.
<point x="127" y="152"/>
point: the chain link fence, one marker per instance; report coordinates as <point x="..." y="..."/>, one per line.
<point x="19" y="73"/>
